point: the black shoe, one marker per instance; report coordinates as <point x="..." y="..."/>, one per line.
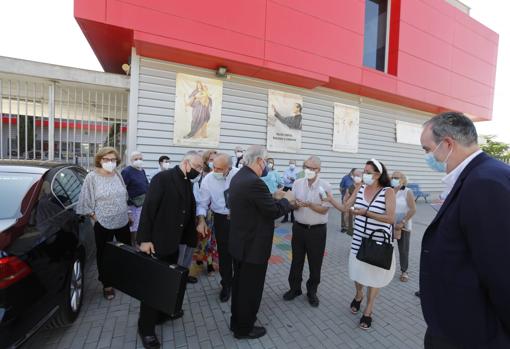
<point x="256" y="332"/>
<point x="225" y="294"/>
<point x="150" y="342"/>
<point x="291" y="294"/>
<point x="177" y="315"/>
<point x="417" y="293"/>
<point x="313" y="300"/>
<point x="192" y="280"/>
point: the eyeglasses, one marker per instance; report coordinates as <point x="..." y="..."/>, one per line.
<point x="109" y="159"/>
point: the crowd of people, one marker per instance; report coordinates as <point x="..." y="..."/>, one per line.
<point x="214" y="206"/>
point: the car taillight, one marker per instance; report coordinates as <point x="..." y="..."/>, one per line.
<point x="12" y="269"/>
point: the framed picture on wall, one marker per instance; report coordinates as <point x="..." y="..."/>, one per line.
<point x="284" y="121"/>
<point x="197" y="111"/>
<point x="346" y="128"/>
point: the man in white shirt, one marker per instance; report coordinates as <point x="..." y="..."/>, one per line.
<point x="213" y="195"/>
<point x="308" y="230"/>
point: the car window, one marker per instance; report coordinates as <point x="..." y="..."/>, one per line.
<point x="13" y="188"/>
<point x="66" y="186"/>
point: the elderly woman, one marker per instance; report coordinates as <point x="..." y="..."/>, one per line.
<point x="405" y="210"/>
<point x="103" y="198"/>
<point x="137" y="185"/>
<point x="374" y="210"/>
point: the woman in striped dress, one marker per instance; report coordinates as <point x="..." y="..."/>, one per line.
<point x="374" y="208"/>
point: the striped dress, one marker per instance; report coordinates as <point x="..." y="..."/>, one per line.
<point x="361" y="272"/>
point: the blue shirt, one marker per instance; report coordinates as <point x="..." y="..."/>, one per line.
<point x="136" y="181"/>
<point x="272" y="180"/>
<point x="289" y="176"/>
<point x="346" y="183"/>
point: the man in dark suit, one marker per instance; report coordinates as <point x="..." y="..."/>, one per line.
<point x="252" y="214"/>
<point x="464" y="282"/>
<point x="167" y="220"/>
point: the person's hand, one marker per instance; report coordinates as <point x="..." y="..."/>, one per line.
<point x="399" y="226"/>
<point x="202" y="228"/>
<point x="147" y="247"/>
<point x="398" y="233"/>
<point x="279" y="194"/>
<point x="359" y="211"/>
<point x="289" y="195"/>
<point x="329" y="197"/>
<point x="94" y="218"/>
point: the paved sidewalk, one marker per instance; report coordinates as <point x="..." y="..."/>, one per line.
<point x="398" y="321"/>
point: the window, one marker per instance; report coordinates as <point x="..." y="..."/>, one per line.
<point x="376" y="34"/>
<point x="66" y="187"/>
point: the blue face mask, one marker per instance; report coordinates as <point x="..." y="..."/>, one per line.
<point x="265" y="171"/>
<point x="434" y="164"/>
<point x="395" y="182"/>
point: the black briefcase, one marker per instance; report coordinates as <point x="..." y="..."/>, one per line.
<point x="144" y="277"/>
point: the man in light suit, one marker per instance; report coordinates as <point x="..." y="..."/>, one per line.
<point x="465" y="254"/>
<point x="252" y="213"/>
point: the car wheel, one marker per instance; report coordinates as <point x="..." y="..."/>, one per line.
<point x="73" y="296"/>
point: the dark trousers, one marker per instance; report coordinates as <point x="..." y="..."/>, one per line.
<point x="403" y="250"/>
<point x="103" y="236"/>
<point x="309" y="242"/>
<point x="148" y="315"/>
<point x="433" y="342"/>
<point x="247" y="288"/>
<point x="222" y="231"/>
<point x="286" y="217"/>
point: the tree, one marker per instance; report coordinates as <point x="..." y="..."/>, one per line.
<point x="496" y="149"/>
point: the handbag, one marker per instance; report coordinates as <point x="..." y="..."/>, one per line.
<point x="373" y="252"/>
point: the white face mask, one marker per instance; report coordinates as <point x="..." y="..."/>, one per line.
<point x="165" y="165"/>
<point x="292" y="166"/>
<point x="270" y="165"/>
<point x="138" y="163"/>
<point x="218" y="175"/>
<point x="239" y="154"/>
<point x="357" y="179"/>
<point x="309" y="174"/>
<point x="368" y="179"/>
<point x="109" y="166"/>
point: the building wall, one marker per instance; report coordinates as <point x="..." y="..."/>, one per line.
<point x="244" y="115"/>
<point x="440" y="58"/>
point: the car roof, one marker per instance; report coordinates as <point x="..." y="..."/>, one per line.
<point x="30" y="166"/>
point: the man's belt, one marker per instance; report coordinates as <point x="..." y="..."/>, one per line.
<point x="310" y="226"/>
<point x="227" y="216"/>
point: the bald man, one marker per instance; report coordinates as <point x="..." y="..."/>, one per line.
<point x="213" y="193"/>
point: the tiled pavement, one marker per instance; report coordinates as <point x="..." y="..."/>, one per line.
<point x="398" y="321"/>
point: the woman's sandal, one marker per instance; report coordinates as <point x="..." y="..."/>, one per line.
<point x="356" y="305"/>
<point x="108" y="294"/>
<point x="365" y="322"/>
<point x="404" y="277"/>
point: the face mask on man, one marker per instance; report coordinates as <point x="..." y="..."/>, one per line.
<point x="138" y="163"/>
<point x="292" y="166"/>
<point x="165" y="165"/>
<point x="270" y="165"/>
<point x="395" y="182"/>
<point x="192" y="174"/>
<point x="210" y="164"/>
<point x="109" y="166"/>
<point x="309" y="174"/>
<point x="357" y="179"/>
<point x="239" y="154"/>
<point x="219" y="175"/>
<point x="265" y="171"/>
<point x="368" y="178"/>
<point x="434" y="164"/>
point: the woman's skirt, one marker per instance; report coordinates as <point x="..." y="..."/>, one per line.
<point x="370" y="275"/>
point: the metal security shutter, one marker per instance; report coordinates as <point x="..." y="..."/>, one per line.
<point x="243" y="122"/>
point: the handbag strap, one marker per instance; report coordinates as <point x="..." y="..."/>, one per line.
<point x="368" y="208"/>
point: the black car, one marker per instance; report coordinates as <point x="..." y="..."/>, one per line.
<point x="44" y="246"/>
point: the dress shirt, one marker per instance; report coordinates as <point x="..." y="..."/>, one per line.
<point x="289" y="176"/>
<point x="450" y="179"/>
<point x="212" y="194"/>
<point x="303" y="192"/>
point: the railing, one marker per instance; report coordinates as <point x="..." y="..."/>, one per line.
<point x="67" y="121"/>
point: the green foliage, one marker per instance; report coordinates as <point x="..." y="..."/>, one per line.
<point x="496" y="149"/>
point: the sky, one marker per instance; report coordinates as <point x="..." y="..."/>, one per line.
<point x="46" y="31"/>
